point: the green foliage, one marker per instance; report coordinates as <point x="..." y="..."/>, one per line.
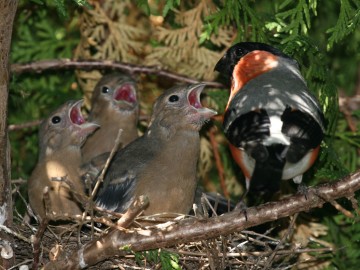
<point x="345" y="232"/>
<point x="333" y="168"/>
<point x="144" y="5"/>
<point x="294" y="19"/>
<point x="61" y="6"/>
<point x="219" y="99"/>
<point x="53" y="38"/>
<point x="244" y="16"/>
<point x="347" y="143"/>
<point x="348" y="21"/>
<point x="170" y="4"/>
<point x="166" y="259"/>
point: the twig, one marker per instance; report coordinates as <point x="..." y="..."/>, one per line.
<point x="30" y="124"/>
<point x="253" y="240"/>
<point x="261" y="236"/>
<point x="338" y="207"/>
<point x="134" y="210"/>
<point x="286" y="235"/>
<point x="354" y="204"/>
<point x="219" y="166"/>
<point x="212" y="254"/>
<point x="82" y="220"/>
<point x="40" y="232"/>
<point x="100" y="179"/>
<point x="37" y="242"/>
<point x="17" y="235"/>
<point x="341" y="209"/>
<point x="205" y="204"/>
<point x="255" y="253"/>
<point x="108" y="212"/>
<point x="19" y="264"/>
<point x="19" y="181"/>
<point x="61" y="64"/>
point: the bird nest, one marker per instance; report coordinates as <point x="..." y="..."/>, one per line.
<point x="274" y="246"/>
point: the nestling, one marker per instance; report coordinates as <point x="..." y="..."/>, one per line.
<point x="162" y="163"/>
<point x="60" y="138"/>
<point x="114" y="106"/>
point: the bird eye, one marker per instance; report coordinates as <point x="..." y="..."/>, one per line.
<point x="173" y="98"/>
<point x="105" y="89"/>
<point x="56" y="119"/>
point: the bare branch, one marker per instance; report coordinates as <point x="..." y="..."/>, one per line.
<point x="100" y="179"/>
<point x="57" y="64"/>
<point x="16" y="234"/>
<point x="30" y="124"/>
<point x="120" y="242"/>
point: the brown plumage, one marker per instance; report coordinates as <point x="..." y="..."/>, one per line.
<point x="162" y="163"/>
<point x="114" y="106"/>
<point x="60" y="138"/>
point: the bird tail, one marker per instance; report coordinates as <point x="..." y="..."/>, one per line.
<point x="268" y="172"/>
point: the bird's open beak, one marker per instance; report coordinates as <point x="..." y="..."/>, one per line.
<point x="126" y="92"/>
<point x="78" y="119"/>
<point x="194" y="100"/>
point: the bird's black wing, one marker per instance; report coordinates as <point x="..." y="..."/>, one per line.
<point x="117" y="197"/>
<point x="304" y="132"/>
<point x="248" y="127"/>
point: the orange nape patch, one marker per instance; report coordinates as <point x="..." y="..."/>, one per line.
<point x="250" y="66"/>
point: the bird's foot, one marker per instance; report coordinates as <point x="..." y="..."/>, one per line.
<point x="242" y="208"/>
<point x="303" y="189"/>
<point x="241" y="205"/>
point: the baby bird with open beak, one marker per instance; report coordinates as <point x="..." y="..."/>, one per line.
<point x="114" y="106"/>
<point x="162" y="163"/>
<point x="60" y="138"/>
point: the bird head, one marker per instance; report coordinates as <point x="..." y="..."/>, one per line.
<point x="115" y="92"/>
<point x="64" y="127"/>
<point x="232" y="56"/>
<point x="181" y="106"/>
<point x="247" y="60"/>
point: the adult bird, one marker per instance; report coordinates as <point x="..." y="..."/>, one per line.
<point x="114" y="106"/>
<point x="272" y="121"/>
<point x="162" y="163"/>
<point x="60" y="138"/>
